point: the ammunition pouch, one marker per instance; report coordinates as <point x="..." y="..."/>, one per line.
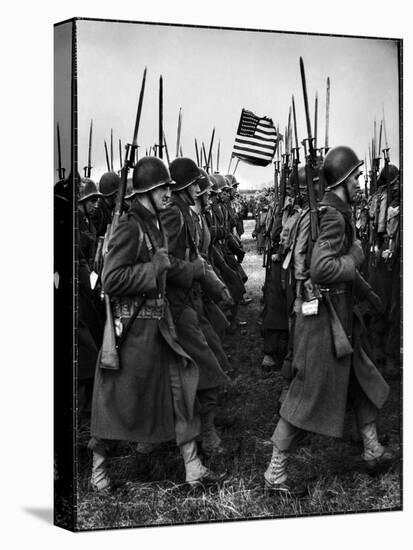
<point x="124" y="308"/>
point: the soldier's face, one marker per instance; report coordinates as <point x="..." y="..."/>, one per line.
<point x="193" y="190"/>
<point x="161" y="197"/>
<point x="353" y="185"/>
<point x="90" y="206"/>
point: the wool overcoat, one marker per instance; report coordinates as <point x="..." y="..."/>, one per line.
<point x="135" y="403"/>
<point x="181" y="231"/>
<point x="317" y="397"/>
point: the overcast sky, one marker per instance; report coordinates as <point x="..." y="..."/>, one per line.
<point x="212" y="74"/>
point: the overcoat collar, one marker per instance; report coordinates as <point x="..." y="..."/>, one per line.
<point x="331" y="199"/>
<point x="143" y="213"/>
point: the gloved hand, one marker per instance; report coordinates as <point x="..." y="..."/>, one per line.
<point x="357" y="253"/>
<point x="161" y="261"/>
<point x="199" y="268"/>
<point x="375" y="301"/>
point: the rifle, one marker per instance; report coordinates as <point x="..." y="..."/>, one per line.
<point x="60" y="170"/>
<point x="88" y="169"/>
<point x="311" y="160"/>
<point x="109" y="358"/>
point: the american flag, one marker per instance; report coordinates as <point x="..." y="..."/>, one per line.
<point x="256" y="139"/>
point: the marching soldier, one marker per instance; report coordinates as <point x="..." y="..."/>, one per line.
<point x="218" y="298"/>
<point x="90" y="323"/>
<point x="330" y="362"/>
<point x="151" y="398"/>
<point x="274" y="328"/>
<point x="108" y="188"/>
<point x="193" y="328"/>
<point x="385" y="269"/>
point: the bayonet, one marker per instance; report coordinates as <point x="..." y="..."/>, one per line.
<point x="296" y="154"/>
<point x="120" y="154"/>
<point x="160" y="135"/>
<point x="111" y="149"/>
<point x="386" y="143"/>
<point x="88" y="169"/>
<point x="166" y="149"/>
<point x="218" y="151"/>
<point x="311" y="160"/>
<point x="197" y="153"/>
<point x="107" y="155"/>
<point x="307" y="110"/>
<point x="60" y="169"/>
<point x="295" y="124"/>
<point x="315" y="120"/>
<point x="206" y="167"/>
<point x="210" y="149"/>
<point x="178" y="132"/>
<point x="326" y="147"/>
<point x="229" y="164"/>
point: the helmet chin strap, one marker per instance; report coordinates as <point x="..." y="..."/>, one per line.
<point x="188" y="197"/>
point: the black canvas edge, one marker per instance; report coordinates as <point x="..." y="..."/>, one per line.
<point x="65" y="347"/>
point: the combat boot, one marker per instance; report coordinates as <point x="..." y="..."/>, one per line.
<point x="268" y="363"/>
<point x="376" y="457"/>
<point x="210" y="440"/>
<point x="196" y="474"/>
<point x="275" y="476"/>
<point x="99" y="480"/>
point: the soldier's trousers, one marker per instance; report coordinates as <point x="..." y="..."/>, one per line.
<point x="286" y="435"/>
<point x="275" y="342"/>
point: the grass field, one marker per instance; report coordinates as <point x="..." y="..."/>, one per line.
<point x="150" y="489"/>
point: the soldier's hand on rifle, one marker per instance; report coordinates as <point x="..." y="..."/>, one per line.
<point x="199" y="268"/>
<point x="161" y="261"/>
<point x="275" y="257"/>
<point x="375" y="301"/>
<point x="386" y="255"/>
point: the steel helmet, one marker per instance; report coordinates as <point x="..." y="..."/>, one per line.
<point x="88" y="190"/>
<point x="130" y="191"/>
<point x="109" y="184"/>
<point x="393" y="175"/>
<point x="338" y="164"/>
<point x="222" y="182"/>
<point x="184" y="171"/>
<point x="302" y="179"/>
<point x="149" y="173"/>
<point x="232" y="180"/>
<point x="214" y="189"/>
<point x="205" y="183"/>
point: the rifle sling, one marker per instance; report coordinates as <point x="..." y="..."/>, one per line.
<point x="152" y="238"/>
